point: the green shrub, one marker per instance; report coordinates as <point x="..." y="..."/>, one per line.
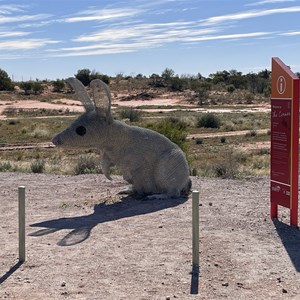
<point x="173" y="129"/>
<point x="228" y="126"/>
<point x="194" y="172"/>
<point x="130" y="113"/>
<point x="249" y="98"/>
<point x="209" y="120"/>
<point x="223" y="139"/>
<point x="13" y="122"/>
<point x="230" y="88"/>
<point x="199" y="141"/>
<point x="241" y="157"/>
<point x="37" y="87"/>
<point x="263" y="151"/>
<point x="5" y="166"/>
<point x="27" y="86"/>
<point x="87" y="164"/>
<point x="225" y="170"/>
<point x="37" y="166"/>
<point x="58" y="85"/>
<point x="228" y="168"/>
<point x="251" y="133"/>
<point x="40" y="133"/>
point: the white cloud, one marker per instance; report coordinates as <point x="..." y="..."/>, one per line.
<point x="107" y="42"/>
<point x="37" y="24"/>
<point x="10" y="8"/>
<point x="14" y="13"/>
<point x="127" y="36"/>
<point x="249" y="14"/>
<point x="164" y="31"/>
<point x="227" y="36"/>
<point x="268" y="2"/>
<point x="5" y="34"/>
<point x="99" y="50"/>
<point x="291" y="33"/>
<point x="22" y="18"/>
<point x="103" y="14"/>
<point x="25" y="44"/>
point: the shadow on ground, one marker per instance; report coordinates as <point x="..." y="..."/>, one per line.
<point x="82" y="226"/>
<point x="290" y="237"/>
<point x="11" y="271"/>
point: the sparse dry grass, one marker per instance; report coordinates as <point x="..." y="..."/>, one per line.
<point x="210" y="157"/>
<point x="30" y="130"/>
<point x="232" y="158"/>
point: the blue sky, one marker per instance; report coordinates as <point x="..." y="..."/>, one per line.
<point x="53" y="39"/>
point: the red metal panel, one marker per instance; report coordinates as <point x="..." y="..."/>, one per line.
<point x="284" y="140"/>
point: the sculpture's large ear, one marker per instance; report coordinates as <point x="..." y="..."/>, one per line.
<point x="81" y="92"/>
<point x="102" y="98"/>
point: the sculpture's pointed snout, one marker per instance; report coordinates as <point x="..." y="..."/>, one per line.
<point x="57" y="140"/>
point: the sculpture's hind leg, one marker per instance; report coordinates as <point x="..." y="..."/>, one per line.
<point x="143" y="182"/>
<point x="106" y="165"/>
<point x="172" y="173"/>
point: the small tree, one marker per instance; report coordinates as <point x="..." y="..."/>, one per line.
<point x="105" y="78"/>
<point x="202" y="96"/>
<point x="155" y="80"/>
<point x="58" y="85"/>
<point x="166" y="76"/>
<point x="177" y="84"/>
<point x="201" y="89"/>
<point x="84" y="76"/>
<point x="26" y="86"/>
<point x="37" y="87"/>
<point x="97" y="75"/>
<point x="5" y="81"/>
<point x="230" y="88"/>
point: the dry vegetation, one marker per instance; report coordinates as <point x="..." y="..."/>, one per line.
<point x="221" y="153"/>
<point x="90" y="242"/>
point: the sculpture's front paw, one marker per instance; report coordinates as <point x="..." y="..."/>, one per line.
<point x="107" y="175"/>
<point x="157" y="197"/>
<point x="127" y="191"/>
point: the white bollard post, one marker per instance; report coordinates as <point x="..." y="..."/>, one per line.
<point x="21" y="198"/>
<point x="195" y="233"/>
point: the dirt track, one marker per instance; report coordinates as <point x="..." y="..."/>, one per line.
<point x="82" y="243"/>
<point x="8" y="147"/>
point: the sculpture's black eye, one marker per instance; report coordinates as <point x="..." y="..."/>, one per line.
<point x="81" y="130"/>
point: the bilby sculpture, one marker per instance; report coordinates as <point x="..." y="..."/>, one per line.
<point x="148" y="160"/>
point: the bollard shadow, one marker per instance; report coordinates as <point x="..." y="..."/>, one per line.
<point x="80" y="227"/>
<point x="12" y="270"/>
<point x="195" y="280"/>
<point x="290" y="237"/>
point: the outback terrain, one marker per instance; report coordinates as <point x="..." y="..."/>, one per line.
<point x="85" y="240"/>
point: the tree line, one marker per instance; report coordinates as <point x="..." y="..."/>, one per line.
<point x="226" y="80"/>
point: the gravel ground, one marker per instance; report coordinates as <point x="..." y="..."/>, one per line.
<point x="85" y="241"/>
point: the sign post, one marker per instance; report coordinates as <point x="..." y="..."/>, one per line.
<point x="284" y="140"/>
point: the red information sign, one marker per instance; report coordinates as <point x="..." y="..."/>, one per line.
<point x="284" y="140"/>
